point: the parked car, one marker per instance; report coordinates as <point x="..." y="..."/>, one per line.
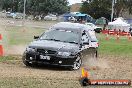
<point x="50" y="17"/>
<point x="14" y="15"/>
<point x="64" y="44"/>
<point x="8" y="15"/>
<point x="18" y="15"/>
<point x="96" y="28"/>
<point x="3" y="14"/>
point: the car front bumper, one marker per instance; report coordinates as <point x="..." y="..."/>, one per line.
<point x="54" y="59"/>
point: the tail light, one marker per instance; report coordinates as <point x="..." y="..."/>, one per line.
<point x="97" y="44"/>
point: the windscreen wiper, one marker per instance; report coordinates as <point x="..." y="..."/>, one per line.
<point x="52" y="39"/>
<point x="71" y="42"/>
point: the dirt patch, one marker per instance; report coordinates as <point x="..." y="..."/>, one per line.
<point x="97" y="62"/>
<point x="109" y="68"/>
<point x="91" y="63"/>
<point x="15" y="50"/>
<point x="119" y="68"/>
<point x="122" y="69"/>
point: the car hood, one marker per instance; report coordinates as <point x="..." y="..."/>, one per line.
<point x="55" y="45"/>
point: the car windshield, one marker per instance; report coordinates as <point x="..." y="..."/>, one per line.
<point x="61" y="35"/>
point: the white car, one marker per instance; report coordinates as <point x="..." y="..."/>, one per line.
<point x="96" y="28"/>
<point x="18" y="15"/>
<point x="93" y="40"/>
<point x="50" y="17"/>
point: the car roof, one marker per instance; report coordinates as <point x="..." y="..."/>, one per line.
<point x="76" y="27"/>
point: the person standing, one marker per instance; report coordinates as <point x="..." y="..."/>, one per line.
<point x="130" y="30"/>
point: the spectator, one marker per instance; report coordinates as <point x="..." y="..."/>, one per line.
<point x="130" y="30"/>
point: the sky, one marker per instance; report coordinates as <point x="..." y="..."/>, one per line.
<point x="74" y="1"/>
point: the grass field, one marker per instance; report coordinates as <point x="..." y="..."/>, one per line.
<point x="6" y="58"/>
<point x="20" y="35"/>
<point x="111" y="47"/>
<point x="122" y="47"/>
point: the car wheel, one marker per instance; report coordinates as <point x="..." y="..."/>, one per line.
<point x="94" y="54"/>
<point x="26" y="62"/>
<point x="77" y="63"/>
<point x="30" y="64"/>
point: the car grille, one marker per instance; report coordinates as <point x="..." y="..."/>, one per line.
<point x="43" y="51"/>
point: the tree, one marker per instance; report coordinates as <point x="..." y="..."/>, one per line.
<point x="121" y="6"/>
<point x="97" y="8"/>
<point x="102" y="8"/>
<point x="36" y="6"/>
<point x="9" y="5"/>
<point x="45" y="6"/>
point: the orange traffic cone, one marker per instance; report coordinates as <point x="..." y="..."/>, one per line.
<point x="129" y="37"/>
<point x="117" y="38"/>
<point x="84" y="73"/>
<point x="1" y="50"/>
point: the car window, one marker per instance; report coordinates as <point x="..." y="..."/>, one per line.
<point x="61" y="35"/>
<point x="84" y="37"/>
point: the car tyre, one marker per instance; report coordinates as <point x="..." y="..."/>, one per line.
<point x="26" y="62"/>
<point x="77" y="63"/>
<point x="94" y="54"/>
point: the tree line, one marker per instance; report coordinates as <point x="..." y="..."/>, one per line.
<point x="103" y="8"/>
<point x="95" y="8"/>
<point x="36" y="6"/>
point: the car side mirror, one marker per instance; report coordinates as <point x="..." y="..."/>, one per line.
<point x="36" y="37"/>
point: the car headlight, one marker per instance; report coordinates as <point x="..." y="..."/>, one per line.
<point x="64" y="53"/>
<point x="30" y="49"/>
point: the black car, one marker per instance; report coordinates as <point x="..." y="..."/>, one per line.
<point x="64" y="44"/>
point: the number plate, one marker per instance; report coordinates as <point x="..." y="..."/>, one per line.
<point x="44" y="57"/>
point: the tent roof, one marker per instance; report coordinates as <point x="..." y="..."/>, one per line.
<point x="101" y="21"/>
<point x="118" y="22"/>
<point x="79" y="14"/>
<point x="68" y="15"/>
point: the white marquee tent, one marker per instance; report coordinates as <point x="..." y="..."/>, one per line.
<point x="119" y="24"/>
